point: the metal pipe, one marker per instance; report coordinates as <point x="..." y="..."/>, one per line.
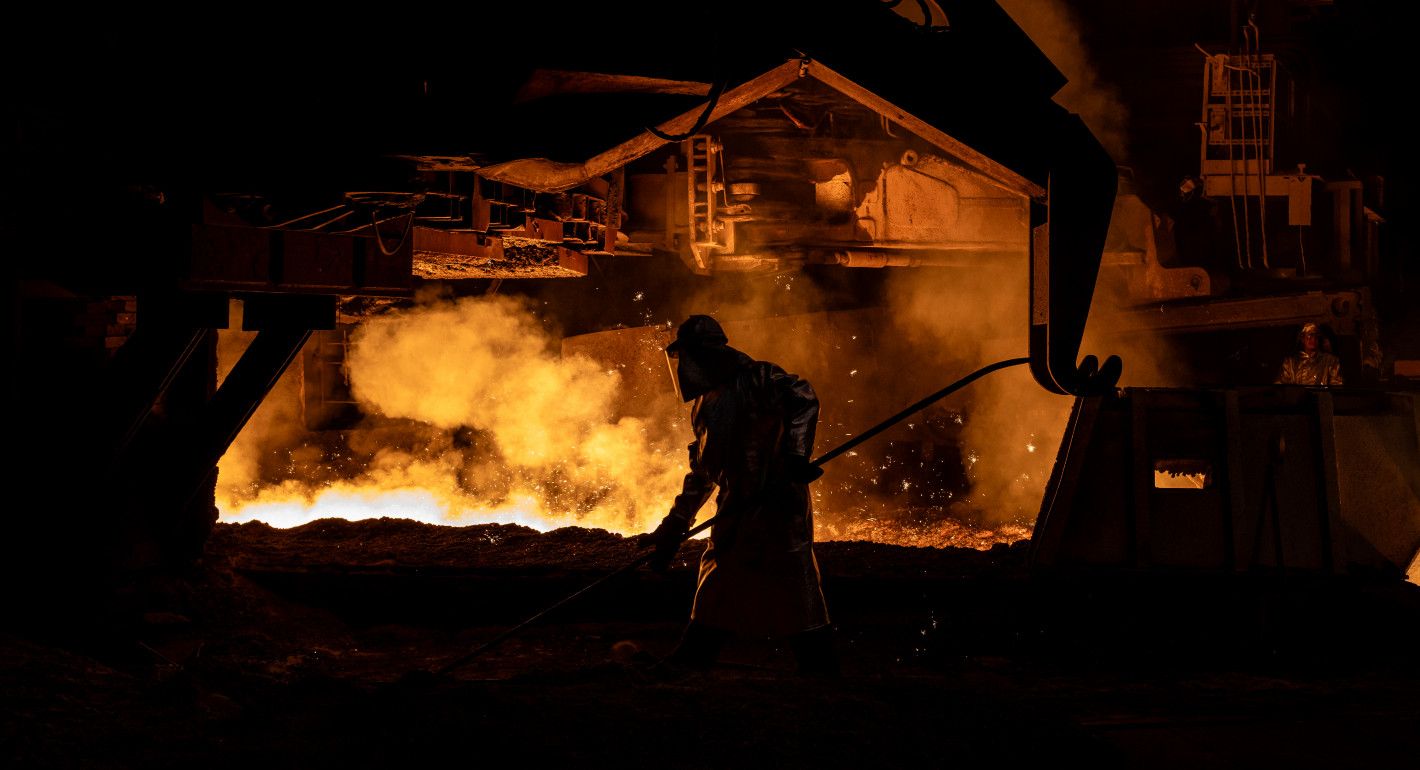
<point x="973" y="256"/>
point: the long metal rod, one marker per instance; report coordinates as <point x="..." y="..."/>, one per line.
<point x="495" y="641"/>
<point x="643" y="558"/>
<point x="917" y="407"/>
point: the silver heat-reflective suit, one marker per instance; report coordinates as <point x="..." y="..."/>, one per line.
<point x="758" y="574"/>
<point x="1315" y="368"/>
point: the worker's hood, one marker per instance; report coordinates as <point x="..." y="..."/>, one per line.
<point x="697" y="370"/>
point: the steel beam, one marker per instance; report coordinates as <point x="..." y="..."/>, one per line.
<point x="1067" y="244"/>
<point x="1291" y="310"/>
<point x="214" y="430"/>
<point x="169" y="330"/>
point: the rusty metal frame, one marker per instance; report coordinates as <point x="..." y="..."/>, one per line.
<point x="1245" y="313"/>
<point x="547" y="176"/>
<point x="989" y="170"/>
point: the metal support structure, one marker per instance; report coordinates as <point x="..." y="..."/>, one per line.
<point x="170" y="330"/>
<point x="263" y="363"/>
<point x="1067" y="244"/>
<point x="186" y="455"/>
<point x="152" y="359"/>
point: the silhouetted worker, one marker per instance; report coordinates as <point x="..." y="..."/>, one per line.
<point x="1310" y="365"/>
<point x="754" y="432"/>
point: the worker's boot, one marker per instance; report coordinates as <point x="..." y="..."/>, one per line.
<point x="814" y="652"/>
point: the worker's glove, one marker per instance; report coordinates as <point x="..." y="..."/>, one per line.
<point x="666" y="539"/>
<point x="801" y="470"/>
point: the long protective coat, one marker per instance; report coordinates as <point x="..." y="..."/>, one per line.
<point x="758" y="574"/>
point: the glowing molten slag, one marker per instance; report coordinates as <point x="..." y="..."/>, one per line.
<point x="343" y="501"/>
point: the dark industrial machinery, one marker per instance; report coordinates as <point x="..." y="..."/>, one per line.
<point x="1229" y="479"/>
<point x="1224" y="481"/>
<point x="1252" y="243"/>
<point x="798" y="165"/>
<point x="801" y="141"/>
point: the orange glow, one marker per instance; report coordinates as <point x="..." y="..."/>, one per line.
<point x="281" y="509"/>
<point x="476" y="416"/>
<point x="543" y="445"/>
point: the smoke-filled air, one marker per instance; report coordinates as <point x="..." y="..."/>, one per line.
<point x="476" y="410"/>
<point x="474" y="416"/>
<point x="1051" y="25"/>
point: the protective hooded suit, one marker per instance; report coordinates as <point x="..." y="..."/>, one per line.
<point x="1310" y="365"/>
<point x="754" y="432"/>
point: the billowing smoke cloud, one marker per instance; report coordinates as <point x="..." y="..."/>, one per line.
<point x="548" y="424"/>
<point x="474" y="417"/>
<point x="1053" y="28"/>
<point x="478" y="412"/>
<point x="485" y="364"/>
<point x="954" y="322"/>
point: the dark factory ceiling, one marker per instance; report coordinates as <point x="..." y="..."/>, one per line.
<point x="233" y="102"/>
<point x="106" y="112"/>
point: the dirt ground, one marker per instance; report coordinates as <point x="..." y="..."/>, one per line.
<point x="312" y="647"/>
